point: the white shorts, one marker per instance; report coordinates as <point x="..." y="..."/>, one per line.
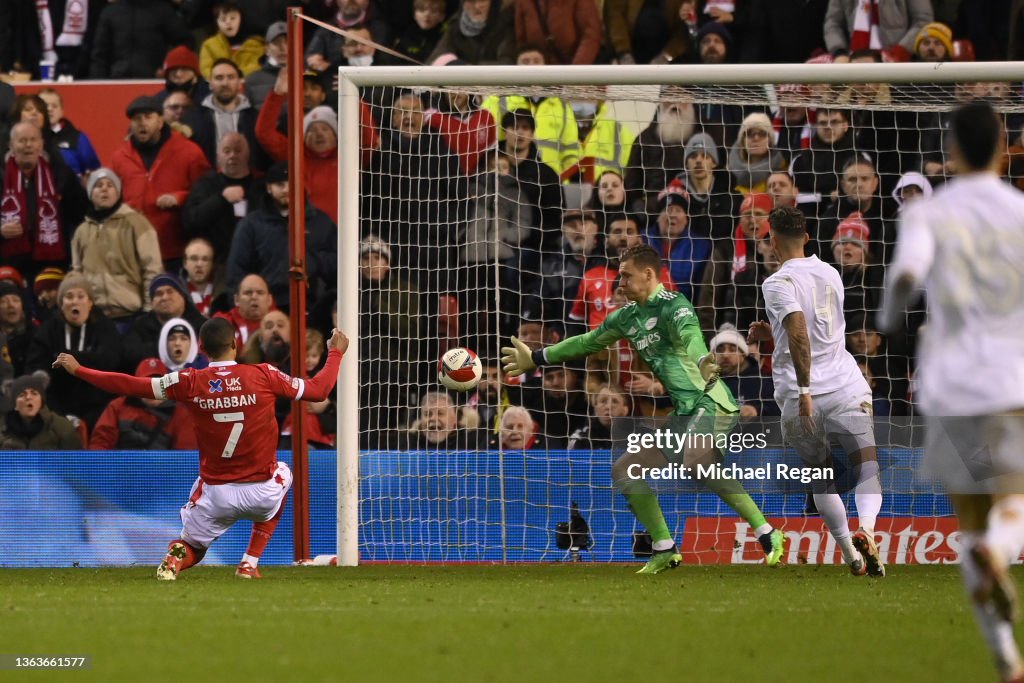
<point x="975" y="455"/>
<point x="212" y="508"/>
<point x="844" y="415"/>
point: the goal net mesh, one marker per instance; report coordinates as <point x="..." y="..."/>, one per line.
<point x="488" y="212"/>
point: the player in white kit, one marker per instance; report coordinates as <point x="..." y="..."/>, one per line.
<point x="818" y="385"/>
<point x="965" y="247"/>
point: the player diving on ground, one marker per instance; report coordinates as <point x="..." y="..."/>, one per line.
<point x="663" y="328"/>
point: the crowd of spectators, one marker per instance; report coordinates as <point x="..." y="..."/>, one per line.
<point x="482" y="216"/>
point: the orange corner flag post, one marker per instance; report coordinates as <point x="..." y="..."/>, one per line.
<point x="297" y="271"/>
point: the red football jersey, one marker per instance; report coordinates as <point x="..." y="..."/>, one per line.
<point x="594" y="301"/>
<point x="232" y="407"/>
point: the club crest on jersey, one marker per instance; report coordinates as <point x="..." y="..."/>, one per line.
<point x="651" y="323"/>
<point x="216" y="386"/>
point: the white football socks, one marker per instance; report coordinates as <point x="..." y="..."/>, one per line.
<point x="998" y="634"/>
<point x="833" y="511"/>
<point x="250" y="559"/>
<point x="867" y="495"/>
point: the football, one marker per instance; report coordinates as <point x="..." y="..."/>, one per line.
<point x="459" y="369"/>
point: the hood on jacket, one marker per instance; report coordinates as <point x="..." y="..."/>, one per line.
<point x="193" y="349"/>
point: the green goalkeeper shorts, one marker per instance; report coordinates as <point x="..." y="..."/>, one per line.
<point x="709" y="424"/>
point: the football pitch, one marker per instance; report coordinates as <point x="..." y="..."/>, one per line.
<point x="571" y="622"/>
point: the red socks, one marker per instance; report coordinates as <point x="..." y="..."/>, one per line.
<point x="193" y="555"/>
<point x="262" y="531"/>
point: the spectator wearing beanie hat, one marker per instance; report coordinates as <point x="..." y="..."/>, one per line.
<point x="81" y="329"/>
<point x="169" y="299"/>
<point x="181" y="74"/>
<point x="733" y="275"/>
<point x="11" y="274"/>
<point x="116" y="249"/>
<point x="132" y="39"/>
<point x="45" y="288"/>
<point x="684" y="251"/>
<point x="320" y="149"/>
<point x="754" y="157"/>
<point x="934" y="43"/>
<point x="754" y="392"/>
<point x="862" y="277"/>
<point x="145" y="424"/>
<point x="30" y="425"/>
<point x="714" y="41"/>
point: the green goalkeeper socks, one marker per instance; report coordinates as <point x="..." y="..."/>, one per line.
<point x="644" y="505"/>
<point x="732" y="492"/>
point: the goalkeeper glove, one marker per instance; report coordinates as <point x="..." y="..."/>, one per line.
<point x="709" y="370"/>
<point x="517" y="358"/>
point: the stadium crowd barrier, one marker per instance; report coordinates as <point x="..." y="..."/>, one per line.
<point x="121" y="507"/>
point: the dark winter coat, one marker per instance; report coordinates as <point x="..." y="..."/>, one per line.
<point x="134" y="36"/>
<point x="207" y="214"/>
<point x="260" y="245"/>
<point x="47" y="431"/>
<point x="496" y="44"/>
<point x="101" y="350"/>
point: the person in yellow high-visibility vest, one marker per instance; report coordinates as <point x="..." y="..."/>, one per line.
<point x="606" y="147"/>
<point x="556" y="134"/>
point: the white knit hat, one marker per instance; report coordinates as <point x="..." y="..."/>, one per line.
<point x="322" y="114"/>
<point x="728" y="334"/>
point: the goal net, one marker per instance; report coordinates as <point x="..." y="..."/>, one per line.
<point x="481" y="203"/>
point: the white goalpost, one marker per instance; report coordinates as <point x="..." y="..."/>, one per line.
<point x="502" y="501"/>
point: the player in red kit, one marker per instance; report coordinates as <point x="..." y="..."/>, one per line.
<point x="232" y="407"/>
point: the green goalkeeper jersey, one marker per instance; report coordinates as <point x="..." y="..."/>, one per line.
<point x="665" y="332"/>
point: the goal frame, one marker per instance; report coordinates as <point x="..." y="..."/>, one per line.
<point x="350" y="79"/>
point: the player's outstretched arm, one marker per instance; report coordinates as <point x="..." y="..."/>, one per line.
<point x="320" y="386"/>
<point x="518" y="358"/>
<point x="111" y="382"/>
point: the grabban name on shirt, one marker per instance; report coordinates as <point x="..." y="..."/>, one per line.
<point x="239" y="401"/>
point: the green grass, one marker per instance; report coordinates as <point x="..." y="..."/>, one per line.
<point x="492" y="623"/>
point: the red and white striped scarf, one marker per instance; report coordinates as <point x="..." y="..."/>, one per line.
<point x="72" y="32"/>
<point x="865" y="27"/>
<point x="806" y="132"/>
<point x="42" y="235"/>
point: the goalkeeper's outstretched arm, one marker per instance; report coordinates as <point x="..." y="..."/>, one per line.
<point x="519" y="358"/>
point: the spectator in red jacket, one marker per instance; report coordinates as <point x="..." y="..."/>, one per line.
<point x="320" y="132"/>
<point x="157" y="168"/>
<point x="468" y="129"/>
<point x="144" y="424"/>
<point x="570" y="30"/>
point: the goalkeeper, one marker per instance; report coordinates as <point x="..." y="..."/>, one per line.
<point x="663" y="328"/>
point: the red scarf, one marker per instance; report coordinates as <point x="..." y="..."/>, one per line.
<point x="42" y="236"/>
<point x="865" y="27"/>
<point x="202" y="298"/>
<point x="739" y="246"/>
